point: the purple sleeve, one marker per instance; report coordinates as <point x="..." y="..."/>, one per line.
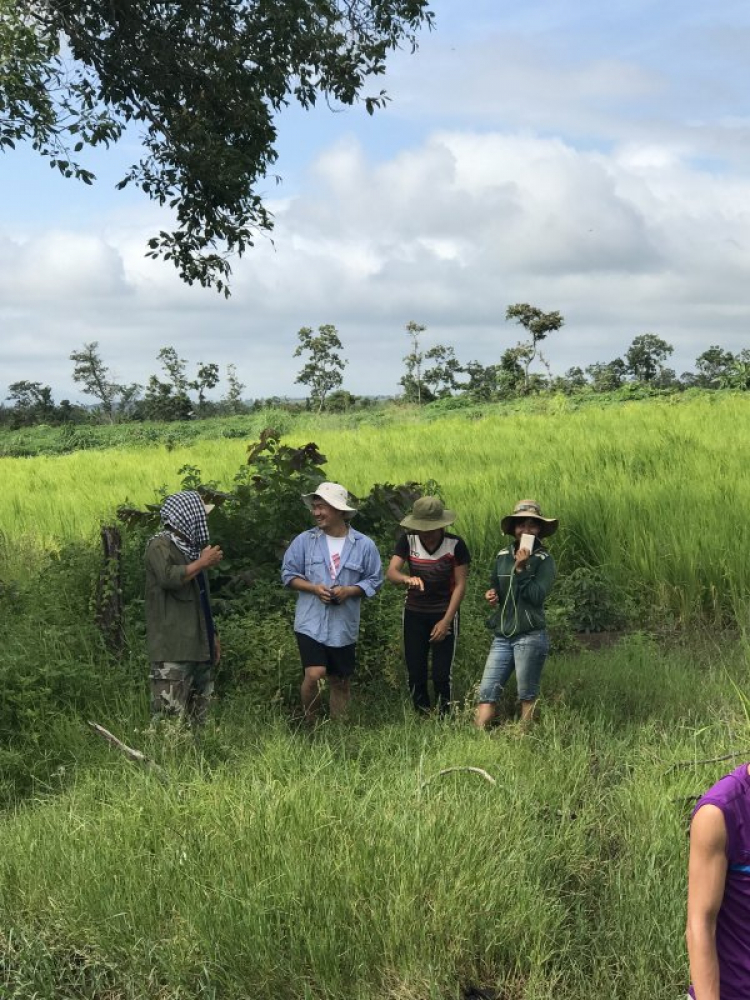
<point x="726" y="812"/>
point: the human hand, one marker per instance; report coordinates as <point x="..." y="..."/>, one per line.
<point x="522" y="557"/>
<point x="491" y="596"/>
<point x="440" y="630"/>
<point x="323" y="593"/>
<point x="211" y="556"/>
<point x="414" y="582"/>
<point x="340" y="594"/>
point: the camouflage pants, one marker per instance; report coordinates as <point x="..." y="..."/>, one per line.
<point x="183" y="689"/>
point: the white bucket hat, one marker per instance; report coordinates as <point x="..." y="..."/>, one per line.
<point x="334" y="494"/>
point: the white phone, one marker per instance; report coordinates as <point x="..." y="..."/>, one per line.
<point x="527" y="542"/>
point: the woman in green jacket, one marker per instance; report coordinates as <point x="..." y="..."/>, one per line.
<point x="522" y="577"/>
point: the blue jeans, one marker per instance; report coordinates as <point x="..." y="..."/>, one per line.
<point x="525" y="654"/>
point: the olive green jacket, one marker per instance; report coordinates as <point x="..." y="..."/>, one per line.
<point x="521" y="596"/>
<point x="175" y="623"/>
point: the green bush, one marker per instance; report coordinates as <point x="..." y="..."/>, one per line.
<point x="587" y="600"/>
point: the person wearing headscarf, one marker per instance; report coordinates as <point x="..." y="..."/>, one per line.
<point x="182" y="642"/>
<point x="438" y="566"/>
<point x="520" y="582"/>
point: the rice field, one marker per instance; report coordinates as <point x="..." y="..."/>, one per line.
<point x="656" y="492"/>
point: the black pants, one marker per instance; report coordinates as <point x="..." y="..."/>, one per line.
<point x="417" y="648"/>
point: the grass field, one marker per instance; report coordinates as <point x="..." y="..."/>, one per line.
<point x="657" y="493"/>
<point x="342" y="865"/>
<point x="279" y="864"/>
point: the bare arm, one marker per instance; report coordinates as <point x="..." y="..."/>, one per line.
<point x="395" y="573"/>
<point x="706" y="878"/>
<point x="440" y="630"/>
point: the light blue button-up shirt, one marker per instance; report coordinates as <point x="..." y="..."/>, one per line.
<point x="307" y="557"/>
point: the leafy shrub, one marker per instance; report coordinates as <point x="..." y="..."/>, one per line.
<point x="591" y="601"/>
<point x="257" y="521"/>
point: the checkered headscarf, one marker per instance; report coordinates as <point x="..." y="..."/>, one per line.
<point x="185" y="512"/>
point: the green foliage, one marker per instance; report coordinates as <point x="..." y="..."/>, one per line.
<point x="442" y="378"/>
<point x="646" y="356"/>
<point x="32" y="403"/>
<point x="415" y="391"/>
<point x="204" y="82"/>
<point x="607" y="377"/>
<point x="93" y="376"/>
<point x="342" y="401"/>
<point x="510" y="374"/>
<point x="592" y="601"/>
<point x="481" y="385"/>
<point x="737" y="374"/>
<point x="323" y="371"/>
<point x="537" y="325"/>
<point x="255" y="523"/>
<point x="55" y="666"/>
<point x="712" y="366"/>
<point x="232" y="403"/>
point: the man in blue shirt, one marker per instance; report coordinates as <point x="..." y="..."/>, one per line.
<point x="332" y="567"/>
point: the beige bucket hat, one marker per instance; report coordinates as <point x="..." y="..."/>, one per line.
<point x="332" y="493"/>
<point x="428" y="514"/>
<point x="530" y="508"/>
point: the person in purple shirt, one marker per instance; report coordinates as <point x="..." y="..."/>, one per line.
<point x="718" y="910"/>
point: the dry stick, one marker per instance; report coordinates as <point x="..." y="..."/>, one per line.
<point x="709" y="760"/>
<point x="134" y="755"/>
<point x="447" y="770"/>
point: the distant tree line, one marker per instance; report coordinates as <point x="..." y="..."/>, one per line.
<point x="429" y="374"/>
<point x="172" y="394"/>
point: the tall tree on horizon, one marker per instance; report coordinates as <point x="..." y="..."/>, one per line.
<point x="324" y="369"/>
<point x="537" y="324"/>
<point x="93" y="376"/>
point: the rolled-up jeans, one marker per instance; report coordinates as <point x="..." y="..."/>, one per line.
<point x="526" y="654"/>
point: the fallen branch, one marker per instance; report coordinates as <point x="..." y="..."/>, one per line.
<point x="133" y="755"/>
<point x="709" y="760"/>
<point x="449" y="770"/>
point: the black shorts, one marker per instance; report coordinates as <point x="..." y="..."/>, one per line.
<point x="338" y="660"/>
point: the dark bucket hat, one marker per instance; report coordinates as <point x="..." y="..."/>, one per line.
<point x="427" y="514"/>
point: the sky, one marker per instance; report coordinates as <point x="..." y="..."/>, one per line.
<point x="583" y="157"/>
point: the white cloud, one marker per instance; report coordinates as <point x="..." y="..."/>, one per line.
<point x="59" y="266"/>
<point x="447" y="232"/>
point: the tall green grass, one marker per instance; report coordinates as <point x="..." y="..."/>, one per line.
<point x="657" y="492"/>
<point x="343" y="865"/>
